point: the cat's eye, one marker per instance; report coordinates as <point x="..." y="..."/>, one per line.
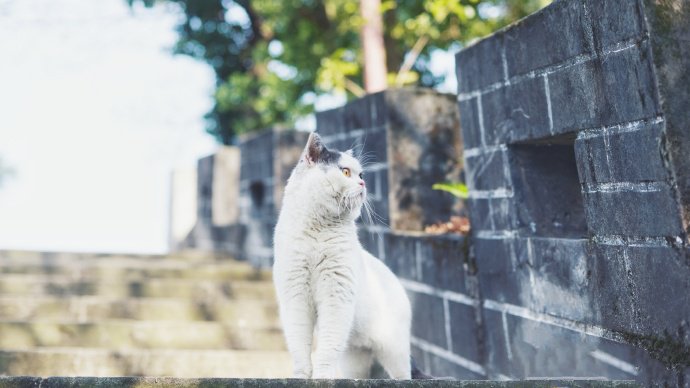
<point x="346" y="171"/>
<point x="361" y="175"/>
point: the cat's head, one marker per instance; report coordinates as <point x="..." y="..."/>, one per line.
<point x="334" y="179"/>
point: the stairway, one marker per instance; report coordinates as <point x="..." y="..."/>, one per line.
<point x="183" y="315"/>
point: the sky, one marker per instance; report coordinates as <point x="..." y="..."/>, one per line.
<point x="95" y="113"/>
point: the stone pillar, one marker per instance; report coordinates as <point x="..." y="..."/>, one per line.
<point x="226" y="186"/>
<point x="183" y="207"/>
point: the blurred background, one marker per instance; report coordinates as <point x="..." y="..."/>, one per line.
<point x="100" y="101"/>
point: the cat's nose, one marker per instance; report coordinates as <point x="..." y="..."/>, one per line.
<point x="361" y="182"/>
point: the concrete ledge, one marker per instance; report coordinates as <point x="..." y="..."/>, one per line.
<point x="74" y="382"/>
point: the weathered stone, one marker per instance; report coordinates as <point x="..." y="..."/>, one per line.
<point x="469" y="123"/>
<point x="289" y="146"/>
<point x="620" y="213"/>
<point x="531" y="44"/>
<point x="516" y="112"/>
<point x="480" y="65"/>
<point x="613" y="156"/>
<point x="615" y="22"/>
<point x="226" y="186"/>
<point x="428" y="319"/>
<point x="487" y="171"/>
<point x="401" y="256"/>
<point x="669" y="31"/>
<point x="604" y="91"/>
<point x="424" y="148"/>
<point x="464" y="331"/>
<point x="444" y="262"/>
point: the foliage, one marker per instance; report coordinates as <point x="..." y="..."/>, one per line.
<point x="272" y="58"/>
<point x="457" y="189"/>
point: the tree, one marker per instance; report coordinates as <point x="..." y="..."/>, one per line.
<point x="272" y="58"/>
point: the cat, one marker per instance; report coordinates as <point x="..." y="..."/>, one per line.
<point x="330" y="290"/>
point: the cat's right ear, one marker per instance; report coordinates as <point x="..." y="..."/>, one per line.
<point x="313" y="150"/>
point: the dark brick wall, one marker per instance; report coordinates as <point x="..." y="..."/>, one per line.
<point x="257" y="205"/>
<point x="570" y="123"/>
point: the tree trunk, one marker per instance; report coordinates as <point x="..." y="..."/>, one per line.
<point x="375" y="71"/>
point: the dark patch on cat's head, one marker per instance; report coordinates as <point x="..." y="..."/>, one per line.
<point x="316" y="151"/>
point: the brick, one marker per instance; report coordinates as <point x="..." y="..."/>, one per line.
<point x="537" y="349"/>
<point x="493" y="255"/>
<point x="498" y="356"/>
<point x="647" y="266"/>
<point x="548" y="190"/>
<point x="610" y="291"/>
<point x="428" y="318"/>
<point x="503" y="211"/>
<point x="480" y="216"/>
<point x="558" y="272"/>
<point x="366" y="112"/>
<point x="633" y="213"/>
<point x="480" y="65"/>
<point x="401" y="255"/>
<point x="620" y="160"/>
<point x="464" y="331"/>
<point x="493" y="213"/>
<point x="497" y="278"/>
<point x="532" y="44"/>
<point x="371" y="146"/>
<point x="443" y="262"/>
<point x="487" y="171"/>
<point x="516" y="112"/>
<point x="602" y="92"/>
<point x="469" y="123"/>
<point x="441" y="367"/>
<point x="615" y="21"/>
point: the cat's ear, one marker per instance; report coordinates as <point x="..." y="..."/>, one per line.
<point x="314" y="149"/>
<point x="349" y="152"/>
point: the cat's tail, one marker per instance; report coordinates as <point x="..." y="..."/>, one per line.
<point x="417" y="373"/>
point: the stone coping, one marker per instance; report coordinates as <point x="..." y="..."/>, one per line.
<point x="142" y="382"/>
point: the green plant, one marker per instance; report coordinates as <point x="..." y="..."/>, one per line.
<point x="456" y="188"/>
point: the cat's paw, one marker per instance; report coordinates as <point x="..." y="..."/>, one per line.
<point x="302" y="374"/>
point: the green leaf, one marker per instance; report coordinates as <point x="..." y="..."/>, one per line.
<point x="456" y="188"/>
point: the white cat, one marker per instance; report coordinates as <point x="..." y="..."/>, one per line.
<point x="326" y="281"/>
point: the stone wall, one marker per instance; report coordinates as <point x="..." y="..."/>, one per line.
<point x="573" y="126"/>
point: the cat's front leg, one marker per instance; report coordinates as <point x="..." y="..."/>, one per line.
<point x="335" y="303"/>
<point x="297" y="316"/>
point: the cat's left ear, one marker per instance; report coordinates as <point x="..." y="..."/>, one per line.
<point x="349" y="152"/>
<point x="313" y="150"/>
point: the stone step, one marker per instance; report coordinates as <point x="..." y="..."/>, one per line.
<point x="132" y="267"/>
<point x="127" y="334"/>
<point x="188" y="255"/>
<point x="66" y="285"/>
<point x="172" y="382"/>
<point x="91" y="308"/>
<point x="169" y="362"/>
